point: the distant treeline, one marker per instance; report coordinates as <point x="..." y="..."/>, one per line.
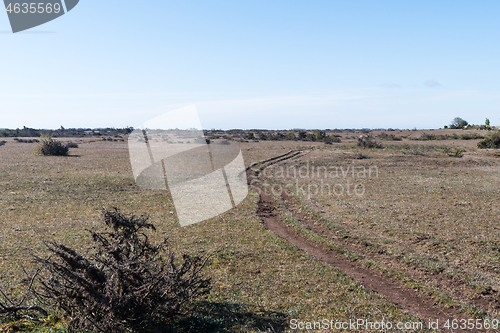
<point x="273" y="135"/>
<point x="27" y="132"/>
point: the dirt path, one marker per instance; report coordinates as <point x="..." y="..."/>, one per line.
<point x="415" y="302"/>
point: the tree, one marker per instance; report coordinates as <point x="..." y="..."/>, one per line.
<point x="487" y="122"/>
<point x="458" y="123"/>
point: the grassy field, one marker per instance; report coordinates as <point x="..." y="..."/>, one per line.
<point x="423" y="215"/>
<point x="411" y="209"/>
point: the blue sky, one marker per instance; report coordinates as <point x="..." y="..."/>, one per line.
<point x="256" y="64"/>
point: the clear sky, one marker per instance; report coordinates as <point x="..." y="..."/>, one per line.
<point x="256" y="64"/>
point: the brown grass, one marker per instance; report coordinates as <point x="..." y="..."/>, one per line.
<point x="260" y="282"/>
<point x="427" y="216"/>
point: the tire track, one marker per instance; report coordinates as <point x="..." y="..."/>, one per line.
<point x="415" y="302"/>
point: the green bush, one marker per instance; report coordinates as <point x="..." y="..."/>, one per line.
<point x="491" y="141"/>
<point x="51" y="147"/>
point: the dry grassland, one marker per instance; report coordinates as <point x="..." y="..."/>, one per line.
<point x="428" y="218"/>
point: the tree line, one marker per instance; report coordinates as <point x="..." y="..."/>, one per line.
<point x="27" y="132"/>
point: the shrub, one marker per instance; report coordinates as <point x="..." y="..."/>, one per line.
<point x="454" y="136"/>
<point x="368" y="141"/>
<point x="318" y="135"/>
<point x="331" y="139"/>
<point x="389" y="137"/>
<point x="51" y="147"/>
<point x="455" y="152"/>
<point x="2" y="142"/>
<point x="492" y="140"/>
<point x="26" y="140"/>
<point x="123" y="282"/>
<point x="479" y="127"/>
<point x="291" y="136"/>
<point x="72" y="145"/>
<point x="430" y="137"/>
<point x="470" y="136"/>
<point x="360" y="156"/>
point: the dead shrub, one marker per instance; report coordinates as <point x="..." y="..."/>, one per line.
<point x="368" y="141"/>
<point x="123" y="282"/>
